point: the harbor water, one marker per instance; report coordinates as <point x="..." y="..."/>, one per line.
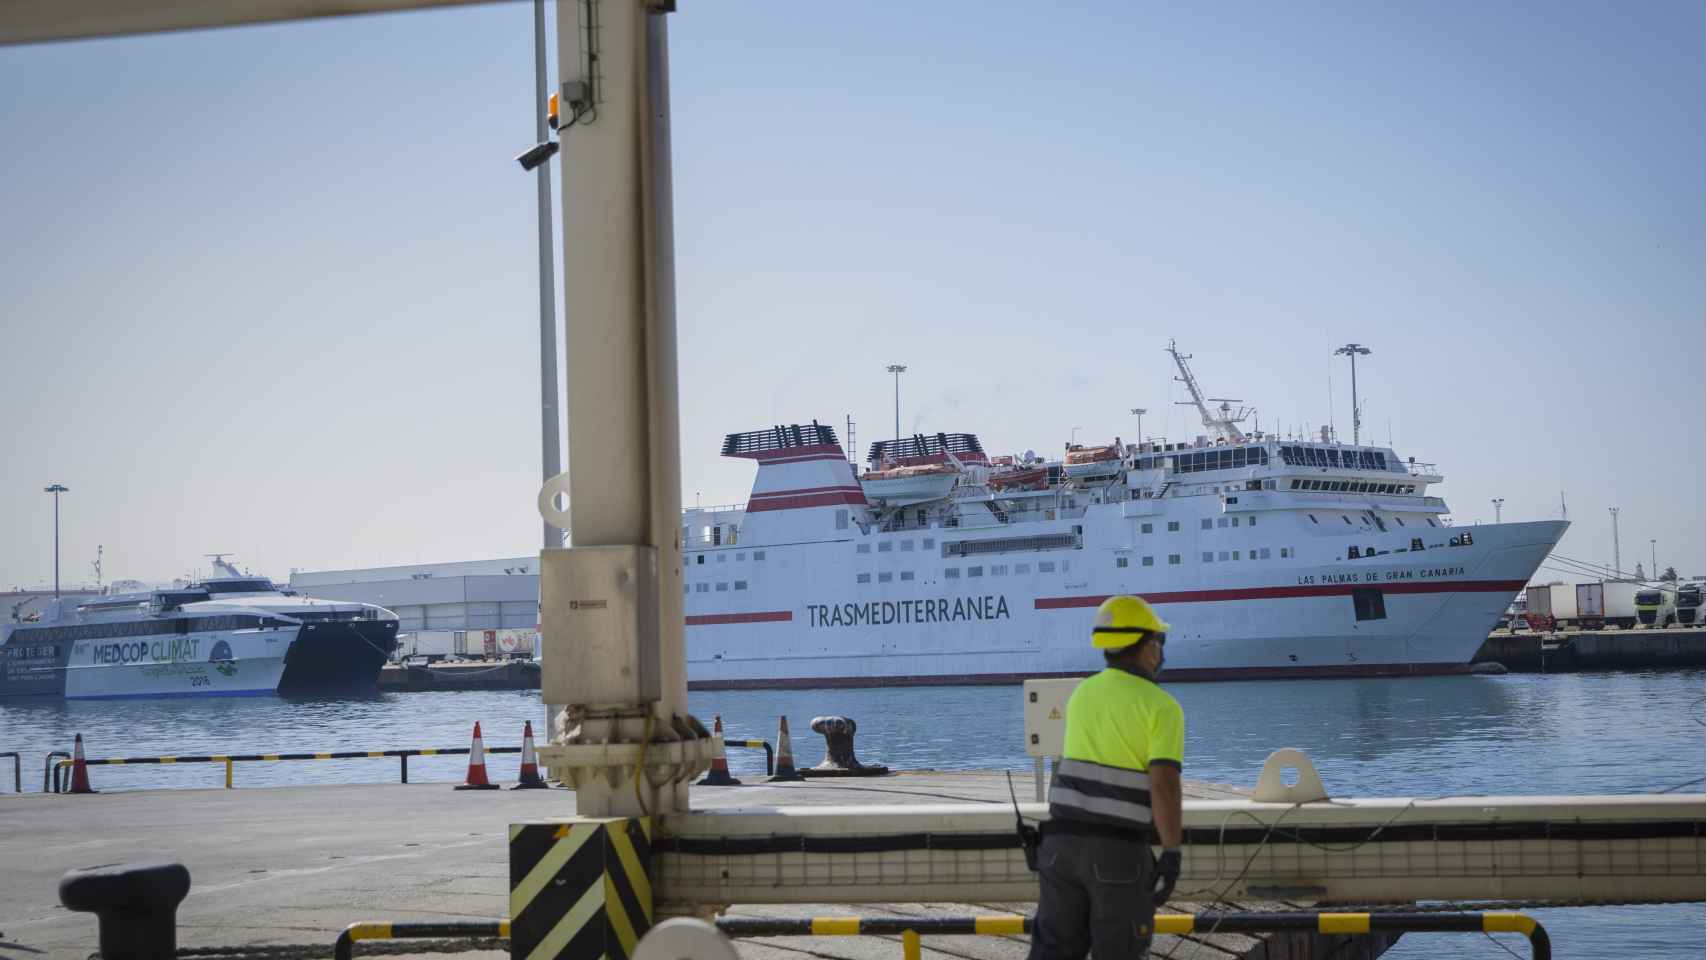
<point x="1516" y="734"/>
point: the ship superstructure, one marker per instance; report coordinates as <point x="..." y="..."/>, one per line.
<point x="1270" y="557"/>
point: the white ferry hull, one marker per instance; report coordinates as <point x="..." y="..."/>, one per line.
<point x="210" y="664"/>
<point x="1247" y="619"/>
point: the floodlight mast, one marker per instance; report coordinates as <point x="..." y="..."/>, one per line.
<point x="1353" y="350"/>
<point x="1222" y="427"/>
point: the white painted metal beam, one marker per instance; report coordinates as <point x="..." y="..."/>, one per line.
<point x="1589" y="848"/>
<point x="38" y="21"/>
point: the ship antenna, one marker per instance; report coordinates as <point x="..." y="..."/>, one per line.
<point x="1225" y="425"/>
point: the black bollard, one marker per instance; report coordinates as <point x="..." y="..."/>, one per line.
<point x="136" y="903"/>
<point x="840" y="761"/>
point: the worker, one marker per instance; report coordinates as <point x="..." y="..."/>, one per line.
<point x="1114" y="793"/>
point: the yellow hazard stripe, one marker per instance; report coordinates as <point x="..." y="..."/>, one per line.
<point x="630" y="860"/>
<point x="429" y="752"/>
<point x="618" y="917"/>
<point x="998" y="926"/>
<point x="1505" y="922"/>
<point x="369" y="931"/>
<point x="168" y="759"/>
<point x="376" y="753"/>
<point x="322" y="756"/>
<point x="546" y="869"/>
<point x="218" y="758"/>
<point x="1343" y="923"/>
<point x="116" y="761"/>
<point x="1176" y="924"/>
<point x="503" y="928"/>
<point x="584" y="910"/>
<point x="269" y="756"/>
<point x="835" y="926"/>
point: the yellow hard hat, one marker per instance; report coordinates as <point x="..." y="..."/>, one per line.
<point x="1122" y="621"/>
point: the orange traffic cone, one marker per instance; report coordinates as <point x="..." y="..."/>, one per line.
<point x="79" y="769"/>
<point x="785" y="757"/>
<point x="530" y="778"/>
<point x="476" y="779"/>
<point x="718" y="775"/>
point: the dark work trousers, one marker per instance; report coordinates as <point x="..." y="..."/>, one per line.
<point x="1097" y="896"/>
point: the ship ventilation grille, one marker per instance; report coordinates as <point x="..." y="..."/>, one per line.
<point x="1044" y="541"/>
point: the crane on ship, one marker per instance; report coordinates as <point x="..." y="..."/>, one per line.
<point x="1223" y="426"/>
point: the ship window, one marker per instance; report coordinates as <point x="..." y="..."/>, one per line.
<point x="723" y="587"/>
<point x="1149" y="561"/>
<point x="758" y="554"/>
<point x="1046" y="566"/>
<point x="1312" y="519"/>
<point x="885" y="577"/>
<point x="1121" y="562"/>
<point x="700" y="559"/>
<point x="906" y="575"/>
<point x="862" y="548"/>
<point x="701" y="588"/>
<point x="1208" y="556"/>
<point x="1285" y="552"/>
<point x="952" y="573"/>
<point x="1147" y="528"/>
<point x="974" y="571"/>
<point x="1431" y="522"/>
<point x="922" y="518"/>
<point x="885" y="547"/>
<point x="906" y="546"/>
<point x="1294" y="484"/>
<point x="863" y="578"/>
<point x="1400" y="520"/>
<point x="1223" y="555"/>
<point x="1370" y="603"/>
<point x="929" y="542"/>
<point x="840" y="519"/>
<point x="1252" y="521"/>
<point x="740" y="584"/>
<point x="1264" y="553"/>
<point x="1172" y="526"/>
<point x="1235" y="521"/>
<point x="1235" y="555"/>
<point x="998" y="570"/>
<point x="1346" y="519"/>
<point x="1173" y="559"/>
<point x="722" y="558"/>
<point x="1222" y="522"/>
<point x="1207" y="523"/>
<point x="740" y="556"/>
<point x="1021" y="568"/>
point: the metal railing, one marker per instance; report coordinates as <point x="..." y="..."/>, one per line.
<point x="769" y="751"/>
<point x="61" y="783"/>
<point x="345" y="946"/>
<point x="47" y="767"/>
<point x="17" y="771"/>
<point x="912" y="929"/>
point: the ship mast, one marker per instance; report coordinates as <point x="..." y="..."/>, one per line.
<point x="1225" y="425"/>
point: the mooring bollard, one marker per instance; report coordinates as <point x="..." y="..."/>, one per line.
<point x="840" y="761"/>
<point x="135" y="903"/>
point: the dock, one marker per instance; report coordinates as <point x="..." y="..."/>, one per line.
<point x="460" y="675"/>
<point x="294" y="865"/>
<point x="1669" y="648"/>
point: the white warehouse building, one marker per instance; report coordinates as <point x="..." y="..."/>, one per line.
<point x="474" y="607"/>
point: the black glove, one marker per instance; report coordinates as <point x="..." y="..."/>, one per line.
<point x="1166" y="875"/>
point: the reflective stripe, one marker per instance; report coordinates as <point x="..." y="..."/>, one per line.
<point x="1101" y="773"/>
<point x="1064" y="796"/>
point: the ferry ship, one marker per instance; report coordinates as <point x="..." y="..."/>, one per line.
<point x="225" y="636"/>
<point x="940" y="564"/>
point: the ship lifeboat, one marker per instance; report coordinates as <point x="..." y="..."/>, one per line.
<point x="1034" y="479"/>
<point x="1088" y="462"/>
<point x="910" y="484"/>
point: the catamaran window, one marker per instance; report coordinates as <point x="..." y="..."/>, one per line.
<point x="1121" y="562"/>
<point x="1046" y="566"/>
<point x="1400" y="520"/>
<point x="239" y="586"/>
<point x="1149" y="561"/>
<point x="1346" y="519"/>
<point x="885" y="547"/>
<point x="952" y="573"/>
<point x="885" y="577"/>
<point x="906" y="546"/>
<point x="974" y="571"/>
<point x="863" y="578"/>
<point x="1208" y="556"/>
<point x="740" y="584"/>
<point x="1369" y="602"/>
<point x="1431" y="522"/>
<point x="906" y="574"/>
<point x="862" y="548"/>
<point x="1312" y="519"/>
<point x="1173" y="559"/>
<point x="1172" y="526"/>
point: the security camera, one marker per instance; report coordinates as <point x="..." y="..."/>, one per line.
<point x="537" y="154"/>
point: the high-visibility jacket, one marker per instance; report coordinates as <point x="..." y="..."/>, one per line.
<point x="1118" y="725"/>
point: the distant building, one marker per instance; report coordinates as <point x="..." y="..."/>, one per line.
<point x="469" y="608"/>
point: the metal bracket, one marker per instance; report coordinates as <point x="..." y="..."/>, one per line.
<point x="1272" y="788"/>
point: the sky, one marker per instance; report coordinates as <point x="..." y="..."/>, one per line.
<point x="272" y="291"/>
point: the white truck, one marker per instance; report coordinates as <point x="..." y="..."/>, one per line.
<point x="1551" y="606"/>
<point x="1608" y="603"/>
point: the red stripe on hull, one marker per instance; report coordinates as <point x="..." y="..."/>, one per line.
<point x="1172" y="675"/>
<point x="847" y="487"/>
<point x="767" y="616"/>
<point x="1284" y="593"/>
<point x="833" y="499"/>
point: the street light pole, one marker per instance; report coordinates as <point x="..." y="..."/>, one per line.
<point x="897" y="369"/>
<point x="56" y="489"/>
<point x="1654" y="544"/>
<point x="1351" y="350"/>
<point x="1616" y="545"/>
<point x="1498" y="509"/>
<point x="1139" y="411"/>
<point x="551" y="460"/>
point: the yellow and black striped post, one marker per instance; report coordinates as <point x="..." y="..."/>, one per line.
<point x="579" y="889"/>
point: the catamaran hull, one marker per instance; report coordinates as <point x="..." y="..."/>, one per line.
<point x="1391" y="614"/>
<point x="230" y="663"/>
<point x="338" y="657"/>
